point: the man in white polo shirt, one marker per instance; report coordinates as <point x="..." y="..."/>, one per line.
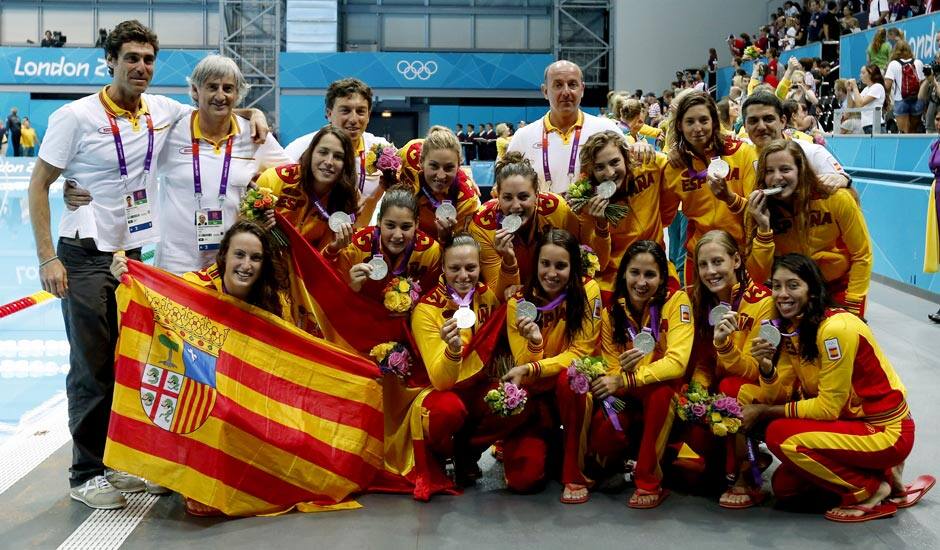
<point x="108" y="144"/>
<point x="348" y="107"/>
<point x="553" y="144"/>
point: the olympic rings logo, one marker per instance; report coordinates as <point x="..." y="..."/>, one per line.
<point x="416" y="69"/>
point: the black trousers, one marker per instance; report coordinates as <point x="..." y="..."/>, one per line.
<point x="90" y="314"/>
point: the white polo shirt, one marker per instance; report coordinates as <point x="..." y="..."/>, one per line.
<point x="370" y="189"/>
<point x="528" y="141"/>
<point x="177" y="251"/>
<point x="79" y="142"/>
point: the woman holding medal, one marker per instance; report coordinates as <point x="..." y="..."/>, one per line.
<point x="393" y="248"/>
<point x="447" y="199"/>
<point x="709" y="173"/>
<point x="552" y="321"/>
<point x="606" y="158"/>
<point x="508" y="227"/>
<point x="789" y="212"/>
<point x="845" y="440"/>
<point x="646" y="340"/>
<point x="318" y="195"/>
<point x="729" y="309"/>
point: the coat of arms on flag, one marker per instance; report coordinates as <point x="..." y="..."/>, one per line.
<point x="177" y="386"/>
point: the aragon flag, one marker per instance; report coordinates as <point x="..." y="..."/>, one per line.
<point x="235" y="408"/>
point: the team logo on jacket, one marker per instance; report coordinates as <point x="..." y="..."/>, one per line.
<point x="177" y="386"/>
<point x="685" y="314"/>
<point x="833" y="350"/>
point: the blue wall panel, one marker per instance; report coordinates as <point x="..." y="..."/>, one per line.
<point x="851" y="151"/>
<point x="300" y="114"/>
<point x="886" y="152"/>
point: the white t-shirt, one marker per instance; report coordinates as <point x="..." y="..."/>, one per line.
<point x="876" y="91"/>
<point x="79" y="142"/>
<point x="528" y="141"/>
<point x="820" y="159"/>
<point x="875" y="7"/>
<point x="370" y="189"/>
<point x="894" y="72"/>
<point x="177" y="251"/>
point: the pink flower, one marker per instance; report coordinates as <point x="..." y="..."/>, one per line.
<point x="398" y="361"/>
<point x="698" y="410"/>
<point x="578" y="383"/>
<point x="511" y="390"/>
<point x="388" y="160"/>
<point x="512" y="402"/>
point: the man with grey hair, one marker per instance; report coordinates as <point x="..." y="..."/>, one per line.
<point x="552" y="144"/>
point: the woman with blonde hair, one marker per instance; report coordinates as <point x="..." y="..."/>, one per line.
<point x="902" y="83"/>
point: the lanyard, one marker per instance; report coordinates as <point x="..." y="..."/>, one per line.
<point x="574" y="154"/>
<point x="736" y="299"/>
<point x="197" y="171"/>
<point x="376" y="239"/>
<point x="633" y="330"/>
<point x="119" y="144"/>
<point x="362" y="169"/>
<point x="458" y="301"/>
<point x="776" y="323"/>
<point x="554" y="303"/>
<point x="430" y="196"/>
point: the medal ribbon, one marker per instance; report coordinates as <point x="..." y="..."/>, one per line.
<point x="119" y="144"/>
<point x="362" y="168"/>
<point x="197" y="172"/>
<point x="571" y="161"/>
<point x="736" y="299"/>
<point x="776" y="323"/>
<point x="632" y="329"/>
<point x="554" y="303"/>
<point x="458" y="301"/>
<point x="612" y="413"/>
<point x="376" y="239"/>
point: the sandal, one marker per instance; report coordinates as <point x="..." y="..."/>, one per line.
<point x="198" y="509"/>
<point x="659" y="493"/>
<point x="571" y="488"/>
<point x="754" y="497"/>
<point x="881" y="510"/>
<point x="913" y="492"/>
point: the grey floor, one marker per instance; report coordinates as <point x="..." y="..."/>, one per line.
<point x="36" y="512"/>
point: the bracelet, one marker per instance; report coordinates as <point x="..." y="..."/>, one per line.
<point x="42" y="264"/>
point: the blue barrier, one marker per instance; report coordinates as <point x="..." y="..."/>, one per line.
<point x="918" y="31"/>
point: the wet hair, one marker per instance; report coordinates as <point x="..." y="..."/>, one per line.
<point x="576" y="312"/>
<point x="440" y="138"/>
<point x="631" y="108"/>
<point x="595" y="144"/>
<point x="460" y="239"/>
<point x="344" y="196"/>
<point x="273" y="276"/>
<point x="814" y="312"/>
<point x="514" y="163"/>
<point x="401" y="196"/>
<point x="346" y="87"/>
<point x="128" y="31"/>
<point x="686" y="102"/>
<point x="703" y="300"/>
<point x="768" y="99"/>
<point x="217" y="66"/>
<point x="621" y="293"/>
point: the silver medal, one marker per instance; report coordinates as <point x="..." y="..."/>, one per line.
<point x="526" y="310"/>
<point x="445" y="210"/>
<point x="772" y="191"/>
<point x="337" y="220"/>
<point x="606" y="189"/>
<point x="718" y="168"/>
<point x="717" y="313"/>
<point x="466" y="318"/>
<point x="512" y="223"/>
<point x="644" y="342"/>
<point x="379" y="268"/>
<point x="770" y="334"/>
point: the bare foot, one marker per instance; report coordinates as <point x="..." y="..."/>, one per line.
<point x="574" y="492"/>
<point x="738" y="495"/>
<point x="880" y="494"/>
<point x="897" y="479"/>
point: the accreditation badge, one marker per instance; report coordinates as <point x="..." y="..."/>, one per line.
<point x="137" y="211"/>
<point x="209" y="229"/>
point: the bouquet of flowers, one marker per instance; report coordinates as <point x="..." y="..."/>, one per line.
<point x="256" y="202"/>
<point x="582" y="372"/>
<point x="589" y="260"/>
<point x="722" y="414"/>
<point x="581" y="191"/>
<point x="507" y="399"/>
<point x="382" y="158"/>
<point x="752" y="52"/>
<point x="401" y="294"/>
<point x="393" y="358"/>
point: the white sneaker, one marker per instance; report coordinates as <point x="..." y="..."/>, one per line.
<point x="125" y="482"/>
<point x="155" y="489"/>
<point x="98" y="493"/>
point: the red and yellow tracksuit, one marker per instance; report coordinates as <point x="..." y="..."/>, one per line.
<point x="644" y="222"/>
<point x="463" y="196"/>
<point x="551" y="211"/>
<point x="424" y="265"/>
<point x="210" y="277"/>
<point x="852" y="423"/>
<point x="545" y="362"/>
<point x="653" y="383"/>
<point x="838" y="242"/>
<point x="423" y="413"/>
<point x="294" y="204"/>
<point x="704" y="211"/>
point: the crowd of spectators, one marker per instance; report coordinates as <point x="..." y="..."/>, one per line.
<point x="484" y="141"/>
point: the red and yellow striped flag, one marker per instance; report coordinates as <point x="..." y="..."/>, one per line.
<point x="233" y="407"/>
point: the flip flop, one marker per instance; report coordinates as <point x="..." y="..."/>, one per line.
<point x="881" y="510"/>
<point x="572" y="487"/>
<point x="660" y="494"/>
<point x="198" y="509"/>
<point x="754" y="494"/>
<point x="913" y="492"/>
